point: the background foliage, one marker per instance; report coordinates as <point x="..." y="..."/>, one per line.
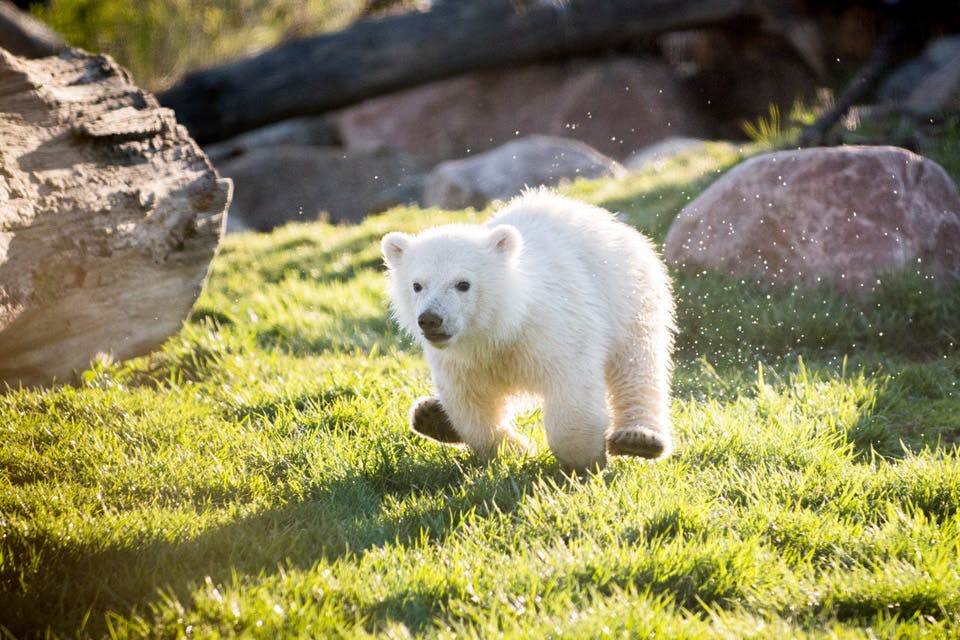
<point x="159" y="40"/>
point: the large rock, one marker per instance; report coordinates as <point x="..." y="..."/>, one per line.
<point x="940" y="89"/>
<point x="504" y="172"/>
<point x="286" y="183"/>
<point x="315" y="131"/>
<point x="109" y="217"/>
<point x="658" y="154"/>
<point x="845" y="215"/>
<point x="615" y="105"/>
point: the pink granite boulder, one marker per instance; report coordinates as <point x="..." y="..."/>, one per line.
<point x="843" y="215"/>
<point x="615" y="105"/>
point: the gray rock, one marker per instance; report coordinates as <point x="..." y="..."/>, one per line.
<point x="504" y="172"/>
<point x="288" y="183"/>
<point x="939" y="90"/>
<point x="315" y="131"/>
<point x="927" y="82"/>
<point x="943" y="51"/>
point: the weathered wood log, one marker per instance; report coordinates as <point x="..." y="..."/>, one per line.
<point x="376" y="56"/>
<point x="109" y="217"/>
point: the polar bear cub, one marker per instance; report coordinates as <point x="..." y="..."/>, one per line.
<point x="553" y="298"/>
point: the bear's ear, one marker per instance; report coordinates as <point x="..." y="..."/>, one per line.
<point x="506" y="240"/>
<point x="393" y="246"/>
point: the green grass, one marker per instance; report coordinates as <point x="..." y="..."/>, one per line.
<point x="255" y="477"/>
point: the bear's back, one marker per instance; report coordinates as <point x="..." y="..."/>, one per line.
<point x="583" y="262"/>
<point x="564" y="238"/>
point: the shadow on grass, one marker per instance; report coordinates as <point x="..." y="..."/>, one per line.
<point x="321" y="261"/>
<point x="342" y="517"/>
<point x="345" y="334"/>
<point x="914" y="408"/>
<point x="918" y="409"/>
<point x="905" y="332"/>
<point x="880" y="408"/>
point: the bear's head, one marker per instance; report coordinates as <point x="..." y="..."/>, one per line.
<point x="454" y="284"/>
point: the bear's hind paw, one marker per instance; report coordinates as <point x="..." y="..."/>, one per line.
<point x="428" y="419"/>
<point x="638" y="441"/>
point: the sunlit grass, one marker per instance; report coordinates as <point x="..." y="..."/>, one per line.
<point x="255" y="477"/>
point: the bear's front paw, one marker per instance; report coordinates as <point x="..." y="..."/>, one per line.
<point x="638" y="441"/>
<point x="428" y="419"/>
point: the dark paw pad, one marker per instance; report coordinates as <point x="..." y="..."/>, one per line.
<point x="428" y="419"/>
<point x="638" y="441"/>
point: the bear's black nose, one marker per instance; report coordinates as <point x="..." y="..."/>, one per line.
<point x="429" y="321"/>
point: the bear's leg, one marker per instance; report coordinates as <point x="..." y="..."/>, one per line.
<point x="428" y="419"/>
<point x="640" y="401"/>
<point x="481" y="421"/>
<point x="575" y="418"/>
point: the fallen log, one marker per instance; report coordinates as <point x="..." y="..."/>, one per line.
<point x="109" y="217"/>
<point x="376" y="56"/>
<point x="23" y="35"/>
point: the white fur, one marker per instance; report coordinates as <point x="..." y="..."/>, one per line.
<point x="564" y="302"/>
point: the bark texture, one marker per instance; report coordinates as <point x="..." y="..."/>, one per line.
<point x="109" y="217"/>
<point x="374" y="57"/>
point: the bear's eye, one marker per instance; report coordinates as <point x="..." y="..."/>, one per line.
<point x="463" y="285"/>
<point x="417" y="287"/>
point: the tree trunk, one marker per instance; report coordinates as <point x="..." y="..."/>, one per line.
<point x="373" y="57"/>
<point x="109" y="217"/>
